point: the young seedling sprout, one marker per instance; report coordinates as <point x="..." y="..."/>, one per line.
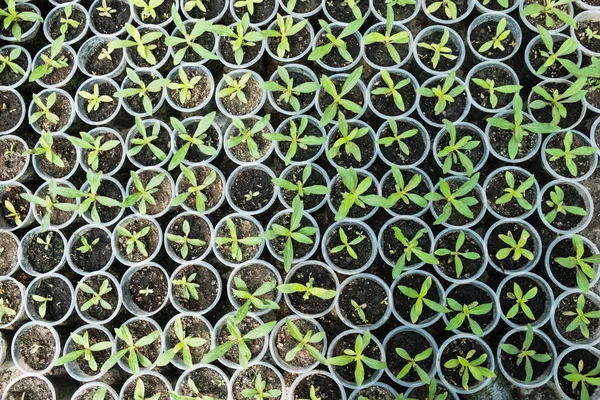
<point x="43" y="307"/>
<point x="439" y="49"/>
<point x="335" y="42"/>
<point x="49" y="203"/>
<point x="195" y="189"/>
<point x="458" y="199"/>
<point x="94" y="99"/>
<point x="569" y="46"/>
<point x="148" y="8"/>
<point x="6" y="310"/>
<point x="234" y="241"/>
<point x="144" y="44"/>
<point x="184" y="345"/>
<point x="305" y="341"/>
<point x="296" y="139"/>
<point x="457" y="254"/>
<point x="521" y="300"/>
<point x="241" y="37"/>
<point x="134" y="240"/>
<point x="185" y="240"/>
<point x="421" y="300"/>
<point x="412" y="363"/>
<point x="584" y="272"/>
<point x="189" y="286"/>
<point x="457" y="151"/>
<point x="570" y="153"/>
<point x="66" y="22"/>
<point x="466" y="312"/>
<point x="347" y="140"/>
<point x="517" y="248"/>
<point x="50" y="63"/>
<point x="557" y="100"/>
<point x="518" y="193"/>
<point x="235" y="87"/>
<point x="188" y="39"/>
<point x="496" y="42"/>
<point x="140" y="392"/>
<point x="45" y="149"/>
<point x="247" y="136"/>
<point x="576" y="376"/>
<point x="258" y="392"/>
<point x="347" y="243"/>
<point x="144" y="194"/>
<point x="46" y="242"/>
<point x="96" y="296"/>
<point x="44" y="109"/>
<point x="354" y="196"/>
<point x="94" y="147"/>
<point x="299" y="186"/>
<point x="450" y="9"/>
<point x="12" y="212"/>
<point x="397" y="137"/>
<point x="12" y="19"/>
<point x="104" y="10"/>
<point x="338" y="98"/>
<point x="185" y="86"/>
<point x="289" y="92"/>
<point x="10" y="61"/>
<point x="192" y="386"/>
<point x="410" y="248"/>
<point x="558" y="206"/>
<point x="358" y="357"/>
<point x="388" y="39"/>
<point x="359" y="309"/>
<point x="131" y="350"/>
<point x="138" y="143"/>
<point x="250" y="195"/>
<point x="253" y="299"/>
<point x="444" y="93"/>
<point x="551" y="11"/>
<point x="87" y="352"/>
<point x="198" y="139"/>
<point x="286" y="29"/>
<point x="489" y="87"/>
<point x="526" y="353"/>
<point x="404" y="189"/>
<point x="143" y="90"/>
<point x="582" y="318"/>
<point x="392" y="89"/>
<point x="309" y="289"/>
<point x="470" y="366"/>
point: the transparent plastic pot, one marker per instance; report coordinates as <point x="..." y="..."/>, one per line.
<point x="352" y="123"/>
<point x="279" y="361"/>
<point x="183" y="378"/>
<point x="536" y="188"/>
<point x="362" y="174"/>
<point x="133" y="381"/>
<point x="315" y="238"/>
<point x="220" y="176"/>
<point x="73" y="367"/>
<point x="148" y="124"/>
<point x="371" y="326"/>
<point x="584" y="6"/>
<point x="377" y="373"/>
<point x="333" y="20"/>
<point x="526" y="118"/>
<point x="26" y="171"/>
<point x="168" y="178"/>
<point x="477" y="134"/>
<point x="222" y="223"/>
<point x="409" y="219"/>
<point x="424" y="134"/>
<point x="557" y="81"/>
<point x="381" y="26"/>
<point x="547" y="262"/>
<point x="143" y="29"/>
<point x="25" y="221"/>
<point x="123" y="361"/>
<point x="160" y="102"/>
<point x="306" y="15"/>
<point x="84" y="315"/>
<point x="230" y="285"/>
<point x="470" y="6"/>
<point x="432" y="344"/>
<point x="81" y="104"/>
<point x="238" y="372"/>
<point x="98" y="3"/>
<point x="231" y="179"/>
<point x="237" y="74"/>
<point x="297" y="120"/>
<point x="42" y="95"/>
<point x="403" y="75"/>
<point x="483" y="9"/>
<point x="478" y="192"/>
<point x="43" y="188"/>
<point x="58" y="12"/>
<point x="139" y="21"/>
<point x="453" y="37"/>
<point x="535" y="238"/>
<point x="341" y="224"/>
<point x="495" y="308"/>
<point x="484" y="65"/>
<point x="192" y="22"/>
<point x="536" y="40"/>
<point x="194" y="120"/>
<point x="300" y="378"/>
<point x="42" y="381"/>
<point x="482" y="249"/>
<point x="594" y="338"/>
<point x="229" y="132"/>
<point x="591" y="15"/>
<point x="297" y="69"/>
<point x="18" y="358"/>
<point x="177" y="361"/>
<point x="115" y="241"/>
<point x="22" y="103"/>
<point x="27" y="240"/>
<point x="479" y="385"/>
<point x="355" y="394"/>
<point x="556" y="175"/>
<point x="30" y="306"/>
<point x="110" y="392"/>
<point x="222" y="40"/>
<point x="91" y="46"/>
<point x="540" y="321"/>
<point x="174" y="256"/>
<point x="187" y="67"/>
<point x="439" y="79"/>
<point x="37" y="61"/>
<point x="495" y="18"/>
<point x="31" y="32"/>
<point x="288" y="279"/>
<point x="87" y="214"/>
<point x="14" y="266"/>
<point x="311" y="35"/>
<point x="20" y="313"/>
<point x="8" y="48"/>
<point x="271" y="17"/>
<point x="587" y="200"/>
<point x="534" y="27"/>
<point x="220" y="325"/>
<point x="435" y="284"/>
<point x="203" y="264"/>
<point x="38" y="168"/>
<point x="349" y="67"/>
<point x="417" y="8"/>
<point x="218" y="17"/>
<point x="557" y="371"/>
<point x="360" y="85"/>
<point x="104" y="131"/>
<point x="315" y="169"/>
<point x="74" y="241"/>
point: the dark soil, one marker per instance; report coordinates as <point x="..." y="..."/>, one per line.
<point x="340" y="11"/>
<point x="193" y="327"/>
<point x="589" y="43"/>
<point x="152" y="386"/>
<point x="461" y="346"/>
<point x="213" y="192"/>
<point x="337" y="196"/>
<point x="162" y="197"/>
<point x="194" y="155"/>
<point x="88" y="394"/>
<point x="457" y="219"/>
<point x="9" y="77"/>
<point x="355" y="95"/>
<point x="160" y="52"/>
<point x="199" y="229"/>
<point x="393" y="154"/>
<point x="426" y="55"/>
<point x="376" y="393"/>
<point x="198" y="94"/>
<point x="11" y="110"/>
<point x="461" y="8"/>
<point x="484" y="33"/>
<point x="342" y="259"/>
<point x="284" y="342"/>
<point x="12" y="160"/>
<point x="150" y="240"/>
<point x="24" y="25"/>
<point x="413" y="343"/>
<point x="388" y="187"/>
<point x="12" y="195"/>
<point x="367" y="293"/>
<point x="207" y="291"/>
<point x="108" y="160"/>
<point x="469" y="294"/>
<point x="163" y="13"/>
<point x="254" y="275"/>
<point x="303" y="7"/>
<point x="247" y="379"/>
<point x="365" y="143"/>
<point x="245" y="326"/>
<point x="96" y="311"/>
<point x="494" y="244"/>
<point x="518" y="371"/>
<point x="59" y="75"/>
<point x="393" y="248"/>
<point x="300" y="249"/>
<point x="495" y="190"/>
<point x="400" y="12"/>
<point x="334" y="59"/>
<point x="325" y="387"/>
<point x="540" y="19"/>
<point x="583" y="163"/>
<point x="136" y="102"/>
<point x="95" y="66"/>
<point x="569" y="304"/>
<point x="250" y="52"/>
<point x="211" y="382"/>
<point x="565" y="248"/>
<point x="58" y="290"/>
<point x="41" y="257"/>
<point x="322" y="279"/>
<point x="62" y="108"/>
<point x="31" y="387"/>
<point x="10" y="293"/>
<point x="378" y="53"/>
<point x="251" y="180"/>
<point x="37" y="347"/>
<point x="446" y="263"/>
<point x="298" y="79"/>
<point x="244" y="228"/>
<point x="295" y="175"/>
<point x="537" y="304"/>
<point x="117" y="20"/>
<point x="152" y="279"/>
<point x="347" y="343"/>
<point x="501" y="77"/>
<point x="572" y="198"/>
<point x="403" y="303"/>
<point x="98" y="257"/>
<point x="262" y="11"/>
<point x="536" y="58"/>
<point x="138" y="330"/>
<point x="106" y="109"/>
<point x="95" y="336"/>
<point x="71" y="33"/>
<point x="67" y="153"/>
<point x="495" y="6"/>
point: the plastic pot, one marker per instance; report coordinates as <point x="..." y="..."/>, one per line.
<point x="556" y="81"/>
<point x="222" y="225"/>
<point x="268" y="144"/>
<point x="315" y="238"/>
<point x="238" y="375"/>
<point x="18" y="357"/>
<point x="313" y="122"/>
<point x="199" y="371"/>
<point x="439" y="79"/>
<point x="231" y="180"/>
<point x="308" y="375"/>
<point x="177" y="361"/>
<point x="19" y="98"/>
<point x="356" y="394"/>
<point x="58" y="12"/>
<point x="100" y="32"/>
<point x="156" y="171"/>
<point x="591" y="15"/>
<point x="223" y="41"/>
<point x="85" y="315"/>
<point x="470" y="5"/>
<point x="31" y="32"/>
<point x="19" y="383"/>
<point x="174" y="301"/>
<point x="509" y="116"/>
<point x="558" y="371"/>
<point x="5" y="50"/>
<point x="454" y="38"/>
<point x="123" y="361"/>
<point x="10" y="256"/>
<point x="546" y="158"/>
<point x="180" y="190"/>
<point x="315" y="169"/>
<point x="352" y="124"/>
<point x="191" y="22"/>
<point x="110" y="392"/>
<point x="482" y="250"/>
<point x="42" y="192"/>
<point x="148" y="125"/>
<point x="42" y="95"/>
<point x="295" y="69"/>
<point x="333" y="19"/>
<point x="534" y="238"/>
<point x="93" y="46"/>
<point x="300" y="13"/>
<point x="359" y="84"/>
<point x="75" y="240"/>
<point x="4" y="225"/>
<point x="476" y="134"/>
<point x="201" y="70"/>
<point x="495" y="18"/>
<point x="334" y="228"/>
<point x="26" y="171"/>
<point x="156" y="75"/>
<point x="436" y="285"/>
<point x="371" y="325"/>
<point x="424" y="135"/>
<point x="547" y="262"/>
<point x="311" y="35"/>
<point x="230" y="285"/>
<point x="502" y="170"/>
<point x="37" y="61"/>
<point x="362" y="174"/>
<point x="116" y="236"/>
<point x="483" y="8"/>
<point x="72" y="367"/>
<point x="87" y="214"/>
<point x="132" y="381"/>
<point x="26" y="241"/>
<point x="30" y="306"/>
<point x="137" y="17"/>
<point x="389" y="226"/>
<point x="39" y="168"/>
<point x="408" y="16"/>
<point x="337" y="26"/>
<point x="81" y="104"/>
<point x="587" y="200"/>
<point x="288" y="279"/>
<point x="215" y="15"/>
<point x="20" y="312"/>
<point x="190" y="121"/>
<point x="592" y="297"/>
<point x="541" y="320"/>
<point x="143" y="29"/>
<point x="401" y="75"/>
<point x="537" y="39"/>
<point x="534" y="28"/>
<point x="236" y="75"/>
<point x="381" y="26"/>
<point x="485" y="65"/>
<point x="114" y="135"/>
<point x="243" y="10"/>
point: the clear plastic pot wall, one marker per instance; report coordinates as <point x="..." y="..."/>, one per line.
<point x="231" y="179"/>
<point x="177" y="361"/>
<point x="373" y="324"/>
<point x="8" y="48"/>
<point x="144" y="29"/>
<point x="104" y="131"/>
<point x="582" y="4"/>
<point x="44" y="187"/>
<point x="30" y="306"/>
<point x="25" y="221"/>
<point x="84" y="315"/>
<point x="39" y="169"/>
<point x="91" y="46"/>
<point x="58" y="12"/>
<point x="355" y="394"/>
<point x="87" y="215"/>
<point x="380" y="17"/>
<point x="588" y="206"/>
<point x="195" y="120"/>
<point x="20" y="313"/>
<point x="378" y="27"/>
<point x="116" y="236"/>
<point x="22" y="103"/>
<point x="435" y="284"/>
<point x="417" y="125"/>
<point x="81" y="104"/>
<point x="73" y="367"/>
<point x="26" y="172"/>
<point x="283" y="4"/>
<point x="26" y="241"/>
<point x="214" y="19"/>
<point x="494" y="18"/>
<point x="229" y="132"/>
<point x="222" y="223"/>
<point x="168" y="178"/>
<point x="288" y="279"/>
<point x="592" y="297"/>
<point x="484" y="65"/>
<point x="536" y="187"/>
<point x="334" y="228"/>
<point x="389" y="224"/>
<point x="176" y="257"/>
<point x="188" y="373"/>
<point x="559" y="373"/>
<point x="535" y="238"/>
<point x="476" y="134"/>
<point x="217" y="276"/>
<point x="556" y="175"/>
<point x="297" y="120"/>
<point x="481" y="7"/>
<point x="31" y="32"/>
<point x="352" y="123"/>
<point x="533" y="42"/>
<point x="133" y="380"/>
<point x="159" y="104"/>
<point x="236" y="75"/>
<point x="238" y="372"/>
<point x="233" y="6"/>
<point x="454" y="37"/>
<point x="590" y="16"/>
<point x="362" y="174"/>
<point x="568" y="237"/>
<point x="42" y="380"/>
<point x="231" y="284"/>
<point x="42" y="95"/>
<point x="128" y="297"/>
<point x="17" y="356"/>
<point x="75" y="239"/>
<point x="300" y="378"/>
<point x="296" y="69"/>
<point x="541" y="320"/>
<point x="37" y="61"/>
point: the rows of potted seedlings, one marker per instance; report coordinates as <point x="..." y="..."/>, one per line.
<point x="299" y="200"/>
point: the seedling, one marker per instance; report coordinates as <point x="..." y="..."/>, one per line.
<point x="359" y="309"/>
<point x="94" y="99"/>
<point x="296" y="139"/>
<point x="313" y="391"/>
<point x="338" y="98"/>
<point x="287" y="29"/>
<point x="12" y="212"/>
<point x="582" y="318"/>
<point x="289" y="92"/>
<point x="237" y="338"/>
<point x="45" y="149"/>
<point x="146" y="292"/>
<point x="299" y="186"/>
<point x="43" y="304"/>
<point x="96" y="297"/>
<point x="235" y="242"/>
<point x="148" y="8"/>
<point x="470" y="366"/>
<point x="521" y="300"/>
<point x="556" y="100"/>
<point x="253" y="299"/>
<point x="46" y="242"/>
<point x="66" y="22"/>
<point x="94" y="147"/>
<point x="576" y="376"/>
<point x="188" y="39"/>
<point x="502" y="3"/>
<point x="185" y="86"/>
<point x="459" y="199"/>
<point x="294" y="233"/>
<point x="358" y="357"/>
<point x="410" y="248"/>
<point x="138" y="143"/>
<point x="558" y="206"/>
<point x="305" y="341"/>
<point x="569" y="153"/>
<point x="590" y="34"/>
<point x="105" y="11"/>
<point x="517" y="248"/>
<point x="134" y="240"/>
<point x="192" y="387"/>
<point x="392" y="89"/>
<point x="250" y="195"/>
<point x="235" y="87"/>
<point x="10" y="61"/>
<point x="199" y="139"/>
<point x="347" y="139"/>
<point x="397" y="138"/>
<point x="140" y="392"/>
<point x="421" y="300"/>
<point x="466" y="312"/>
<point x="105" y="53"/>
<point x="518" y="193"/>
<point x="569" y="46"/>
<point x="412" y="363"/>
<point x="44" y="109"/>
<point x="195" y="189"/>
<point x="527" y="354"/>
<point x="518" y="129"/>
<point x="449" y="8"/>
<point x="439" y="49"/>
<point x="336" y="42"/>
<point x="131" y="350"/>
<point x="308" y="289"/>
<point x="144" y="194"/>
<point x="185" y="241"/>
<point x="12" y="18"/>
<point x="496" y="42"/>
<point x="551" y="10"/>
<point x="388" y="39"/>
<point x="49" y="204"/>
<point x="143" y="90"/>
<point x="584" y="272"/>
<point x="191" y="4"/>
<point x="241" y="37"/>
<point x="489" y="86"/>
<point x="258" y="391"/>
<point x="456" y="152"/>
<point x="445" y="93"/>
<point x="404" y="189"/>
<point x="5" y="310"/>
<point x="246" y="136"/>
<point x="354" y="196"/>
<point x="184" y="344"/>
<point x="189" y="286"/>
<point x="87" y="352"/>
<point x="347" y="244"/>
<point x="432" y="392"/>
<point x="144" y="44"/>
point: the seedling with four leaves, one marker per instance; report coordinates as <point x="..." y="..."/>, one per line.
<point x="516" y="194"/>
<point x="234" y="88"/>
<point x="144" y="44"/>
<point x="557" y="100"/>
<point x="335" y="42"/>
<point x="516" y="247"/>
<point x="131" y="350"/>
<point x="184" y="345"/>
<point x="411" y="247"/>
<point x="87" y="352"/>
<point x="10" y="61"/>
<point x="449" y="7"/>
<point x="496" y="42"/>
<point x="558" y="206"/>
<point x="521" y="300"/>
<point x="347" y="243"/>
<point x="296" y="139"/>
<point x="412" y="363"/>
<point x="234" y="241"/>
<point x="189" y="286"/>
<point x="185" y="85"/>
<point x="253" y="299"/>
<point x="466" y="312"/>
<point x="188" y="39"/>
<point x="582" y="318"/>
<point x="185" y="241"/>
<point x="49" y="204"/>
<point x="247" y="136"/>
<point x="354" y="196"/>
<point x="397" y="137"/>
<point x="299" y="186"/>
<point x="241" y="37"/>
<point x="346" y="141"/>
<point x="576" y="376"/>
<point x="142" y="90"/>
<point x="95" y="99"/>
<point x="552" y="12"/>
<point x="66" y="23"/>
<point x="94" y="147"/>
<point x="392" y="89"/>
<point x="12" y="19"/>
<point x="338" y="99"/>
<point x="421" y="300"/>
<point x="459" y="199"/>
<point x="570" y="153"/>
<point x="134" y="240"/>
<point x="44" y="109"/>
<point x="388" y="38"/>
<point x="305" y="341"/>
<point x="444" y="93"/>
<point x="489" y="87"/>
<point x="198" y="139"/>
<point x="457" y="255"/>
<point x="289" y="92"/>
<point x="195" y="189"/>
<point x="569" y="46"/>
<point x="526" y="353"/>
<point x="584" y="272"/>
<point x="144" y="194"/>
<point x="51" y="62"/>
<point x="457" y="151"/>
<point x="45" y="149"/>
<point x="439" y="49"/>
<point x="96" y="296"/>
<point x="470" y="366"/>
<point x="148" y="8"/>
<point x="404" y="189"/>
<point x="138" y="143"/>
<point x="286" y="29"/>
<point x="258" y="392"/>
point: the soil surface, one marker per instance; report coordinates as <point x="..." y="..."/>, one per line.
<point x="37" y="348"/>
